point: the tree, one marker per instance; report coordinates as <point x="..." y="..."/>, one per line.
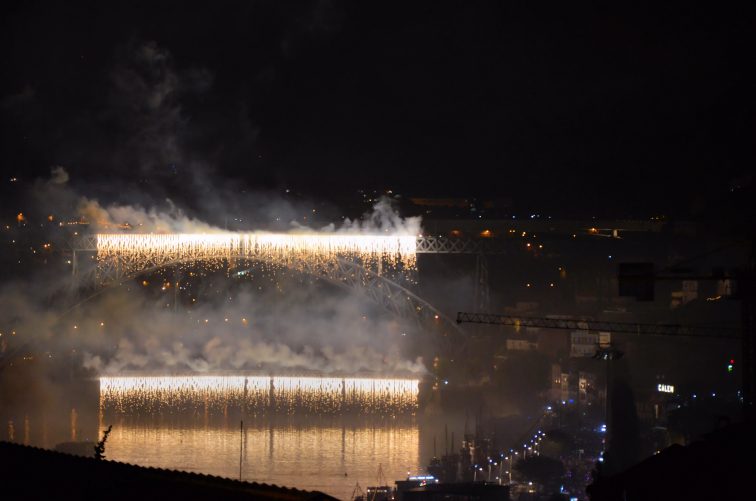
<point x="99" y="449"/>
<point x="557" y="443"/>
<point x="541" y="470"/>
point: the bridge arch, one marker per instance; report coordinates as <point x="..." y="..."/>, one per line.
<point x="392" y="296"/>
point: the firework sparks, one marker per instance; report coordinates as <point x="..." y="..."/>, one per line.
<point x="142" y="251"/>
<point x="258" y="394"/>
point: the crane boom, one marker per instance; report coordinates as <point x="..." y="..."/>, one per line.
<point x="599" y="325"/>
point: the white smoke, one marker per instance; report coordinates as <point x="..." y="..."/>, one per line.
<point x="383" y="218"/>
<point x="330" y="337"/>
<point x="58" y="175"/>
<point x="146" y="110"/>
<point x="140" y="219"/>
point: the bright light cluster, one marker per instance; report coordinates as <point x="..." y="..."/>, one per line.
<point x="286" y="249"/>
<point x="137" y="395"/>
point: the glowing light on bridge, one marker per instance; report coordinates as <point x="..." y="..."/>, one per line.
<point x="396" y="251"/>
<point x="258" y="394"/>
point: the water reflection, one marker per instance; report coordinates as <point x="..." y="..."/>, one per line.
<point x="312" y="433"/>
<point x="305" y="450"/>
<point x="330" y="454"/>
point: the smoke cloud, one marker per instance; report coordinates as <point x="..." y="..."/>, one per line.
<point x="286" y="325"/>
<point x="383" y="218"/>
<point x="270" y="321"/>
<point x="152" y="220"/>
<point x="301" y="329"/>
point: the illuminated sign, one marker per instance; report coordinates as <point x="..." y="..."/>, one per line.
<point x="665" y="388"/>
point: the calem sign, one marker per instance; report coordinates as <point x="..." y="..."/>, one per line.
<point x="665" y="388"/>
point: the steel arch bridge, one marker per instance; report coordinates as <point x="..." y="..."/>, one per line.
<point x="389" y="288"/>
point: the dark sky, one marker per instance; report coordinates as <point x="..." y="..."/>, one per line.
<point x="605" y="108"/>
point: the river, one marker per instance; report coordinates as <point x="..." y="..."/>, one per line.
<point x="304" y="444"/>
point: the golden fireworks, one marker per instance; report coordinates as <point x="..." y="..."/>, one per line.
<point x="258" y="394"/>
<point x="284" y="249"/>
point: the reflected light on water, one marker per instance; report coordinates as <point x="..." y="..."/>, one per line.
<point x="330" y="432"/>
<point x="326" y="456"/>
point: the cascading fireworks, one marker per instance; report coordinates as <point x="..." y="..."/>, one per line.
<point x="140" y="251"/>
<point x="136" y="395"/>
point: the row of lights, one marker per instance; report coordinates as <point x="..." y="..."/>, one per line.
<point x="532" y="446"/>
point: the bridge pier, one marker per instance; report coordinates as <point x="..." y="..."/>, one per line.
<point x="482" y="289"/>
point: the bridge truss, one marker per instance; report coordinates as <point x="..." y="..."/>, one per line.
<point x="388" y="287"/>
<point x="480" y="248"/>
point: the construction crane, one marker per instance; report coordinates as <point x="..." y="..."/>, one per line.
<point x="608" y="352"/>
<point x="603" y="352"/>
<point x="599" y="325"/>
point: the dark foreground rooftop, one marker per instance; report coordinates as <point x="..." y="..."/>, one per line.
<point x="720" y="466"/>
<point x="33" y="473"/>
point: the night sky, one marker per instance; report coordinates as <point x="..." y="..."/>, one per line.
<point x="602" y="109"/>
